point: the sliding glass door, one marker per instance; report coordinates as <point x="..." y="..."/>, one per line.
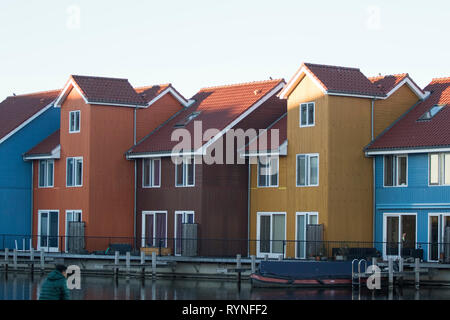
<point x="48" y="232"/>
<point x="399" y="233"/>
<point x="271" y="234"/>
<point x="437" y="224"/>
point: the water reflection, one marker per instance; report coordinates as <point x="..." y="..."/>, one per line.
<point x="23" y="287"/>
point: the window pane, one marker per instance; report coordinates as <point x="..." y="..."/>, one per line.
<point x="301" y="170"/>
<point x="392" y="235"/>
<point x="156" y="172"/>
<point x="190" y="172"/>
<point x="311" y="113"/>
<point x="146" y="173"/>
<point x="44" y="229"/>
<point x="278" y="233"/>
<point x="72" y="122"/>
<point x="434" y="237"/>
<point x="301" y="227"/>
<point x="262" y="172"/>
<point x="50" y="166"/>
<point x="149" y="220"/>
<point x="314" y="170"/>
<point x="388" y="171"/>
<point x="42" y="173"/>
<point x="447" y="168"/>
<point x="313" y="219"/>
<point x="179" y="174"/>
<point x="79" y="172"/>
<point x="303" y="116"/>
<point x="434" y="169"/>
<point x="160" y="230"/>
<point x="408" y="231"/>
<point x="274" y="172"/>
<point x="77" y="121"/>
<point x="402" y="170"/>
<point x="70" y="172"/>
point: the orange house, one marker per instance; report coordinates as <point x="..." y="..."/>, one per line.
<point x="80" y="171"/>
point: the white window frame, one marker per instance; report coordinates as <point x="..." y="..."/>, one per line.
<point x="46" y="184"/>
<point x="441" y="231"/>
<point x="48" y="249"/>
<point x="395" y="177"/>
<point x="74" y="172"/>
<point x="184" y="213"/>
<point x="258" y="235"/>
<point x="67" y="224"/>
<point x="75" y="113"/>
<point x="144" y="214"/>
<point x="308" y="169"/>
<point x="399" y="215"/>
<point x="307" y="113"/>
<point x="307" y="219"/>
<point x="151" y="173"/>
<point x="185" y="173"/>
<point x="269" y="168"/>
<point x="441" y="169"/>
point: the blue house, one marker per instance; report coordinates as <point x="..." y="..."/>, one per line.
<point x="412" y="178"/>
<point x="25" y="120"/>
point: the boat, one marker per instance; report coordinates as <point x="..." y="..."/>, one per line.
<point x="303" y="274"/>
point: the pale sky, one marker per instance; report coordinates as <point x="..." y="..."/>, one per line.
<point x="198" y="43"/>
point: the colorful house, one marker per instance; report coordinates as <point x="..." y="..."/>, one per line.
<point x="412" y="178"/>
<point x="180" y="187"/>
<point x="24" y="121"/>
<point x="81" y="173"/>
<point x="319" y="175"/>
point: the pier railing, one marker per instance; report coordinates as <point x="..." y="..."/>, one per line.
<point x="215" y="247"/>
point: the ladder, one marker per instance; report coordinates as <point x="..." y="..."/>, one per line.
<point x="356" y="276"/>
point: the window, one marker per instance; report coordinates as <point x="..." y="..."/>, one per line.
<point x="154" y="229"/>
<point x="74" y="121"/>
<point x="74" y="172"/>
<point x="395" y="171"/>
<point x="431" y="113"/>
<point x="267" y="172"/>
<point x="271" y="234"/>
<point x="399" y="232"/>
<point x="151" y="173"/>
<point x="307" y="111"/>
<point x="46" y="173"/>
<point x="48" y="230"/>
<point x="304" y="219"/>
<point x="181" y="218"/>
<point x="188" y="119"/>
<point x="307" y="170"/>
<point x="185" y="173"/>
<point x="439" y="171"/>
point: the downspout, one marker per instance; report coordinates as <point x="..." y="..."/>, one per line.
<point x="373" y="177"/>
<point x="135" y="181"/>
<point x="32" y="204"/>
<point x="248" y="205"/>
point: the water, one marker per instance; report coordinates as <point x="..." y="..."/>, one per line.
<point x="22" y="287"/>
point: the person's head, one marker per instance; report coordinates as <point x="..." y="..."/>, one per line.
<point x="62" y="268"/>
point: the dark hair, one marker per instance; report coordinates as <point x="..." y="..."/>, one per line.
<point x="61" y="268"/>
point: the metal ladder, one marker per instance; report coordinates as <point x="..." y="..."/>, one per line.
<point x="356" y="277"/>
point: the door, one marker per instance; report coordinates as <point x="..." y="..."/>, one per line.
<point x="48" y="231"/>
<point x="303" y="219"/>
<point x="437" y="222"/>
<point x="154" y="229"/>
<point x="399" y="234"/>
<point x="71" y="216"/>
<point x="271" y="234"/>
<point x="181" y="217"/>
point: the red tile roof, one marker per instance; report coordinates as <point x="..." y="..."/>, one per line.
<point x="217" y="107"/>
<point x="108" y="91"/>
<point x="46" y="146"/>
<point x="388" y="82"/>
<point x="258" y="146"/>
<point x="148" y="93"/>
<point x="410" y="132"/>
<point x="16" y="110"/>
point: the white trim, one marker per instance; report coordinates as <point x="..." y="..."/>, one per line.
<point x="144" y="213"/>
<point x="48" y="249"/>
<point x="306" y="214"/>
<point x="151" y="169"/>
<point x="46" y="184"/>
<point x="399" y="215"/>
<point x="160" y="155"/>
<point x="55" y="154"/>
<point x="202" y="149"/>
<point x="180" y="212"/>
<point x="307" y="109"/>
<point x="79" y="121"/>
<point x="258" y="236"/>
<point x="67" y="225"/>
<point x="308" y="169"/>
<point x="408" y="151"/>
<point x="25" y="123"/>
<point x="411" y="85"/>
<point x="395" y="173"/>
<point x="75" y="174"/>
<point x="175" y="94"/>
<point x="185" y="174"/>
<point x="441" y="171"/>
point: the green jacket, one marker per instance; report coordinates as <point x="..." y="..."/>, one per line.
<point x="55" y="287"/>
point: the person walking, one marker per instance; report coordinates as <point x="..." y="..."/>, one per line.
<point x="55" y="286"/>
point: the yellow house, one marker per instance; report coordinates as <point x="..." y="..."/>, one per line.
<point x="318" y="174"/>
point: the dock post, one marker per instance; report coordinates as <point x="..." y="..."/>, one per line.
<point x="391" y="272"/>
<point x="42" y="261"/>
<point x="153" y="264"/>
<point x="253" y="264"/>
<point x="266" y="257"/>
<point x="6" y="255"/>
<point x="238" y="261"/>
<point x="280" y="257"/>
<point x="15" y="259"/>
<point x="143" y="264"/>
<point x="401" y="269"/>
<point x="116" y="268"/>
<point x="128" y="258"/>
<point x="417" y="274"/>
<point x="31" y="254"/>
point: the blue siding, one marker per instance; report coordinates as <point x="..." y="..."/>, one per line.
<point x="417" y="197"/>
<point x="15" y="176"/>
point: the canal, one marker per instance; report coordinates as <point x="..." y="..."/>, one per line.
<point x="23" y="287"/>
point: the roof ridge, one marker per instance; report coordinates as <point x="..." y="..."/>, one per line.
<point x="440" y="79"/>
<point x="389" y="75"/>
<point x="242" y="84"/>
<point x="98" y="77"/>
<point x="330" y="66"/>
<point x="154" y="85"/>
<point x="35" y="93"/>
